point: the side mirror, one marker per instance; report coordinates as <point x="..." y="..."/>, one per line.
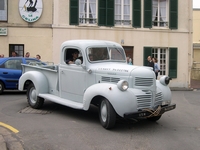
<point x="78" y="62"/>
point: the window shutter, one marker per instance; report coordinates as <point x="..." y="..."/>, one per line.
<point x="147" y="52"/>
<point x="106" y="13"/>
<point x="73" y="12"/>
<point x="173" y="62"/>
<point x="110" y="13"/>
<point x="173" y="14"/>
<point x="147" y="13"/>
<point x="136" y="13"/>
<point x="102" y="13"/>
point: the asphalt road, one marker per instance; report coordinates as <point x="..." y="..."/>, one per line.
<point x="57" y="127"/>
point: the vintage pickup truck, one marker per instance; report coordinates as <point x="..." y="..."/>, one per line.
<point x="101" y="77"/>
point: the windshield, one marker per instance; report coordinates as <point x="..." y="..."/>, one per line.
<point x="106" y="54"/>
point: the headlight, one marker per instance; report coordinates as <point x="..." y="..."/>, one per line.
<point x="165" y="80"/>
<point x="122" y="85"/>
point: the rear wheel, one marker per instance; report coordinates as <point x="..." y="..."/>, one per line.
<point x="33" y="100"/>
<point x="1" y="87"/>
<point x="107" y="114"/>
<point x="156" y="118"/>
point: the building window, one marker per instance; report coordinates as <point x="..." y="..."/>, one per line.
<point x="162" y="55"/>
<point x="167" y="59"/>
<point x="159" y="13"/>
<point x="18" y="48"/>
<point x="3" y="10"/>
<point x="122" y="12"/>
<point x="87" y="12"/>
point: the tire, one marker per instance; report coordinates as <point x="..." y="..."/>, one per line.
<point x="107" y="114"/>
<point x="1" y="87"/>
<point x="156" y="118"/>
<point x="33" y="100"/>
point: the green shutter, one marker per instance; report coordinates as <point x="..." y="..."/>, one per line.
<point x="173" y="62"/>
<point x="106" y="13"/>
<point x="73" y="12"/>
<point x="147" y="13"/>
<point x="173" y="14"/>
<point x="136" y="13"/>
<point x="110" y="13"/>
<point x="147" y="52"/>
<point x="102" y="13"/>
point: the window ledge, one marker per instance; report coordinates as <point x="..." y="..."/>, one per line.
<point x="160" y="28"/>
<point x="88" y="25"/>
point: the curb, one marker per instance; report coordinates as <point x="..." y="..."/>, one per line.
<point x="9" y="140"/>
<point x="181" y="89"/>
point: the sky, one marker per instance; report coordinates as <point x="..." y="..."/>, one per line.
<point x="196" y="3"/>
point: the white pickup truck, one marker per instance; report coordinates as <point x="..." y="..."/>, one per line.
<point x="102" y="77"/>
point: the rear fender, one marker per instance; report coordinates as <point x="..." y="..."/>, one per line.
<point x="37" y="78"/>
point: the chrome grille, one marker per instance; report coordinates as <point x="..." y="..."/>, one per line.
<point x="140" y="81"/>
<point x="110" y="79"/>
<point x="144" y="101"/>
<point x="159" y="99"/>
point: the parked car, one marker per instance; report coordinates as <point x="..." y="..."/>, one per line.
<point x="11" y="70"/>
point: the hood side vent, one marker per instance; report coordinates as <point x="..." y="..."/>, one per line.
<point x="110" y="79"/>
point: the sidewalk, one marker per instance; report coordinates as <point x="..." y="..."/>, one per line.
<point x="9" y="140"/>
<point x="195" y="84"/>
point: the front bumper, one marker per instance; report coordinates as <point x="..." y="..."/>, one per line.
<point x="147" y="113"/>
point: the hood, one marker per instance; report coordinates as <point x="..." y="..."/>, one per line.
<point x="115" y="68"/>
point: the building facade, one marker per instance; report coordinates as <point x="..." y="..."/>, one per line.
<point x="195" y="75"/>
<point x="196" y="34"/>
<point x="159" y="28"/>
<point x="26" y="36"/>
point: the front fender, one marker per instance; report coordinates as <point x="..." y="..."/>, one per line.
<point x="37" y="78"/>
<point x="122" y="101"/>
<point x="167" y="96"/>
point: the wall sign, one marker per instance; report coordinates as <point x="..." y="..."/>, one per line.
<point x="3" y="31"/>
<point x="30" y="10"/>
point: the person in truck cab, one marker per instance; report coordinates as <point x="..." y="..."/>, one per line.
<point x="73" y="57"/>
<point x="100" y="54"/>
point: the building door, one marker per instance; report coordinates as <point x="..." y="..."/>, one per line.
<point x="129" y="52"/>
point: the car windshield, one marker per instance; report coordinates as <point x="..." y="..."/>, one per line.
<point x="96" y="54"/>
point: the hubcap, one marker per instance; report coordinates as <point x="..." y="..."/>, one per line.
<point x="103" y="111"/>
<point x="33" y="96"/>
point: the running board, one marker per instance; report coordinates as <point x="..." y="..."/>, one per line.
<point x="61" y="101"/>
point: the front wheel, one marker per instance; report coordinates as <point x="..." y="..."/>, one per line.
<point x="1" y="87"/>
<point x="107" y="114"/>
<point x="33" y="100"/>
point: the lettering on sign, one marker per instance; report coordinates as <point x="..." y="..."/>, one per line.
<point x="3" y="31"/>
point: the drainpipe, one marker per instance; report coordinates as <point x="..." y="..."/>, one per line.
<point x="190" y="41"/>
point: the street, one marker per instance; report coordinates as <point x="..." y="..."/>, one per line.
<point x="57" y="127"/>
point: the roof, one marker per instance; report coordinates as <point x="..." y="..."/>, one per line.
<point x="86" y="43"/>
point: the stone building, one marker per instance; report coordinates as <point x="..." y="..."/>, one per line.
<point x="160" y="28"/>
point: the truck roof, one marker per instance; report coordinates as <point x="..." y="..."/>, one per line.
<point x="85" y="43"/>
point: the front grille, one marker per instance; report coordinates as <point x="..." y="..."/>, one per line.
<point x="144" y="101"/>
<point x="159" y="99"/>
<point x="141" y="81"/>
<point x="110" y="79"/>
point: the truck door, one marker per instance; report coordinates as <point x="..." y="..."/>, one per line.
<point x="72" y="81"/>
